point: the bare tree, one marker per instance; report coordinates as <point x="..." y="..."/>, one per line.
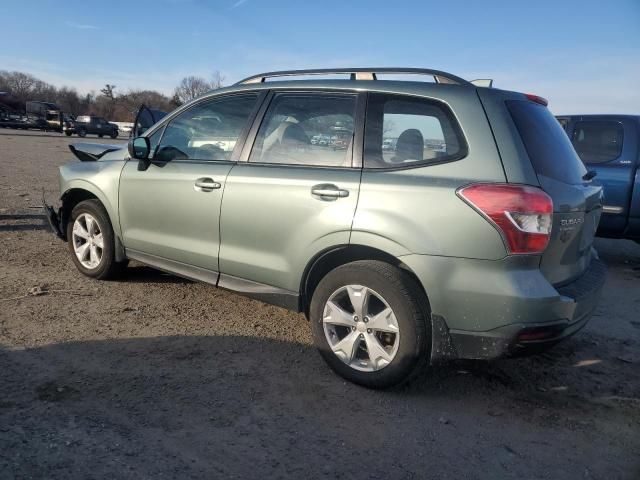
<point x="388" y="127"/>
<point x="107" y="100"/>
<point x="217" y="80"/>
<point x="19" y="84"/>
<point x="129" y="103"/>
<point x="192" y="87"/>
<point x="108" y="91"/>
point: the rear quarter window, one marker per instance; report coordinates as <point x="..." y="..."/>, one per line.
<point x="546" y="142"/>
<point x="404" y="132"/>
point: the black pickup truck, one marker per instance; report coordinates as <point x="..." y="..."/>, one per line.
<point x="609" y="146"/>
<point x="86" y="124"/>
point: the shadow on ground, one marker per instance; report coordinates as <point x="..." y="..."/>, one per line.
<point x="222" y="407"/>
<point x="143" y="274"/>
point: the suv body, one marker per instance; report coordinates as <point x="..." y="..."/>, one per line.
<point x="86" y="124"/>
<point x="447" y="244"/>
<point x="609" y="145"/>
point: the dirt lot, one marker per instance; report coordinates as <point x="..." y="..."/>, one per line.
<point x="155" y="376"/>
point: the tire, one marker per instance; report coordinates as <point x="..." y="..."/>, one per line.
<point x="82" y="132"/>
<point x="387" y="287"/>
<point x="106" y="267"/>
<point x="68" y="134"/>
<point x="114" y="135"/>
<point x="100" y="135"/>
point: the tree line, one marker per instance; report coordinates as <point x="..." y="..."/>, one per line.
<point x="17" y="88"/>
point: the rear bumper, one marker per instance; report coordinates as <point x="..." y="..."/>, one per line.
<point x="487" y="309"/>
<point x="520" y="339"/>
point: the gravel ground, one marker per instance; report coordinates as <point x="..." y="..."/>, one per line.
<point x="155" y="376"/>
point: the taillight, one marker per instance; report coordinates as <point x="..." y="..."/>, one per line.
<point x="522" y="214"/>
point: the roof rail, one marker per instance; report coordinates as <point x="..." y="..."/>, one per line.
<point x="359" y="74"/>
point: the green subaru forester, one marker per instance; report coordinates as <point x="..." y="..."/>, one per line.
<point x="436" y="220"/>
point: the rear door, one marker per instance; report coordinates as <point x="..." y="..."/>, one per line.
<point x="561" y="174"/>
<point x="608" y="146"/>
<point x="291" y="198"/>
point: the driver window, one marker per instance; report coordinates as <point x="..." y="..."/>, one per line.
<point x="206" y="132"/>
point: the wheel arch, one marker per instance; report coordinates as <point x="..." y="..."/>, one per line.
<point x="334" y="257"/>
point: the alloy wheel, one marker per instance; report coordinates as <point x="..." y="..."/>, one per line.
<point x="361" y="328"/>
<point x="88" y="241"/>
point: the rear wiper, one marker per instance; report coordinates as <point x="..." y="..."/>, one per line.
<point x="589" y="175"/>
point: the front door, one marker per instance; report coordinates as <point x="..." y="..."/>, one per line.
<point x="169" y="213"/>
<point x="295" y="196"/>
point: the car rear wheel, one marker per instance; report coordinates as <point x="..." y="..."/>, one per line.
<point x="68" y="134"/>
<point x="370" y="323"/>
<point x="92" y="241"/>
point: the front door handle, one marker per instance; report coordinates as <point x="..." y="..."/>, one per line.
<point x="329" y="190"/>
<point x="205" y="184"/>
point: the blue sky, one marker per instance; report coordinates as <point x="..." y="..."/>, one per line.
<point x="583" y="55"/>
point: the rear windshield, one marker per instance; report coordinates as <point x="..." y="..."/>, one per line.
<point x="548" y="146"/>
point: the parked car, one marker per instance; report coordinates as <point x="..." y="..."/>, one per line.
<point x="86" y="124"/>
<point x="609" y="145"/>
<point x="68" y="125"/>
<point x="388" y="144"/>
<point x="124" y="127"/>
<point x="398" y="259"/>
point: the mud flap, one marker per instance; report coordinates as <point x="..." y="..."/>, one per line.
<point x="442" y="348"/>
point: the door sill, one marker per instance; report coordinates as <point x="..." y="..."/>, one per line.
<point x="265" y="293"/>
<point x="259" y="291"/>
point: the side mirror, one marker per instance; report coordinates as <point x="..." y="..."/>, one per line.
<point x="139" y="148"/>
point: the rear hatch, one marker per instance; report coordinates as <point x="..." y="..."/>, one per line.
<point x="577" y="202"/>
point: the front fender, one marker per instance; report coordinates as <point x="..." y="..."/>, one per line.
<point x="100" y="179"/>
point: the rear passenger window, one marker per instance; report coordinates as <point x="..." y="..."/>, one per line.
<point x="307" y="129"/>
<point x="406" y="131"/>
<point x="598" y="142"/>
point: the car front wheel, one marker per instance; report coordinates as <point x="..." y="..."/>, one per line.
<point x="370" y="323"/>
<point x="82" y="132"/>
<point x="92" y="241"/>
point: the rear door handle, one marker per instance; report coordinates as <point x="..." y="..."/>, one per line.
<point x="206" y="184"/>
<point x="329" y="190"/>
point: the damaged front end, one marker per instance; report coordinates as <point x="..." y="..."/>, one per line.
<point x="54" y="218"/>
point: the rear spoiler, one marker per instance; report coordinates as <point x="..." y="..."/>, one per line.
<point x="483" y="82"/>
<point x="91" y="152"/>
